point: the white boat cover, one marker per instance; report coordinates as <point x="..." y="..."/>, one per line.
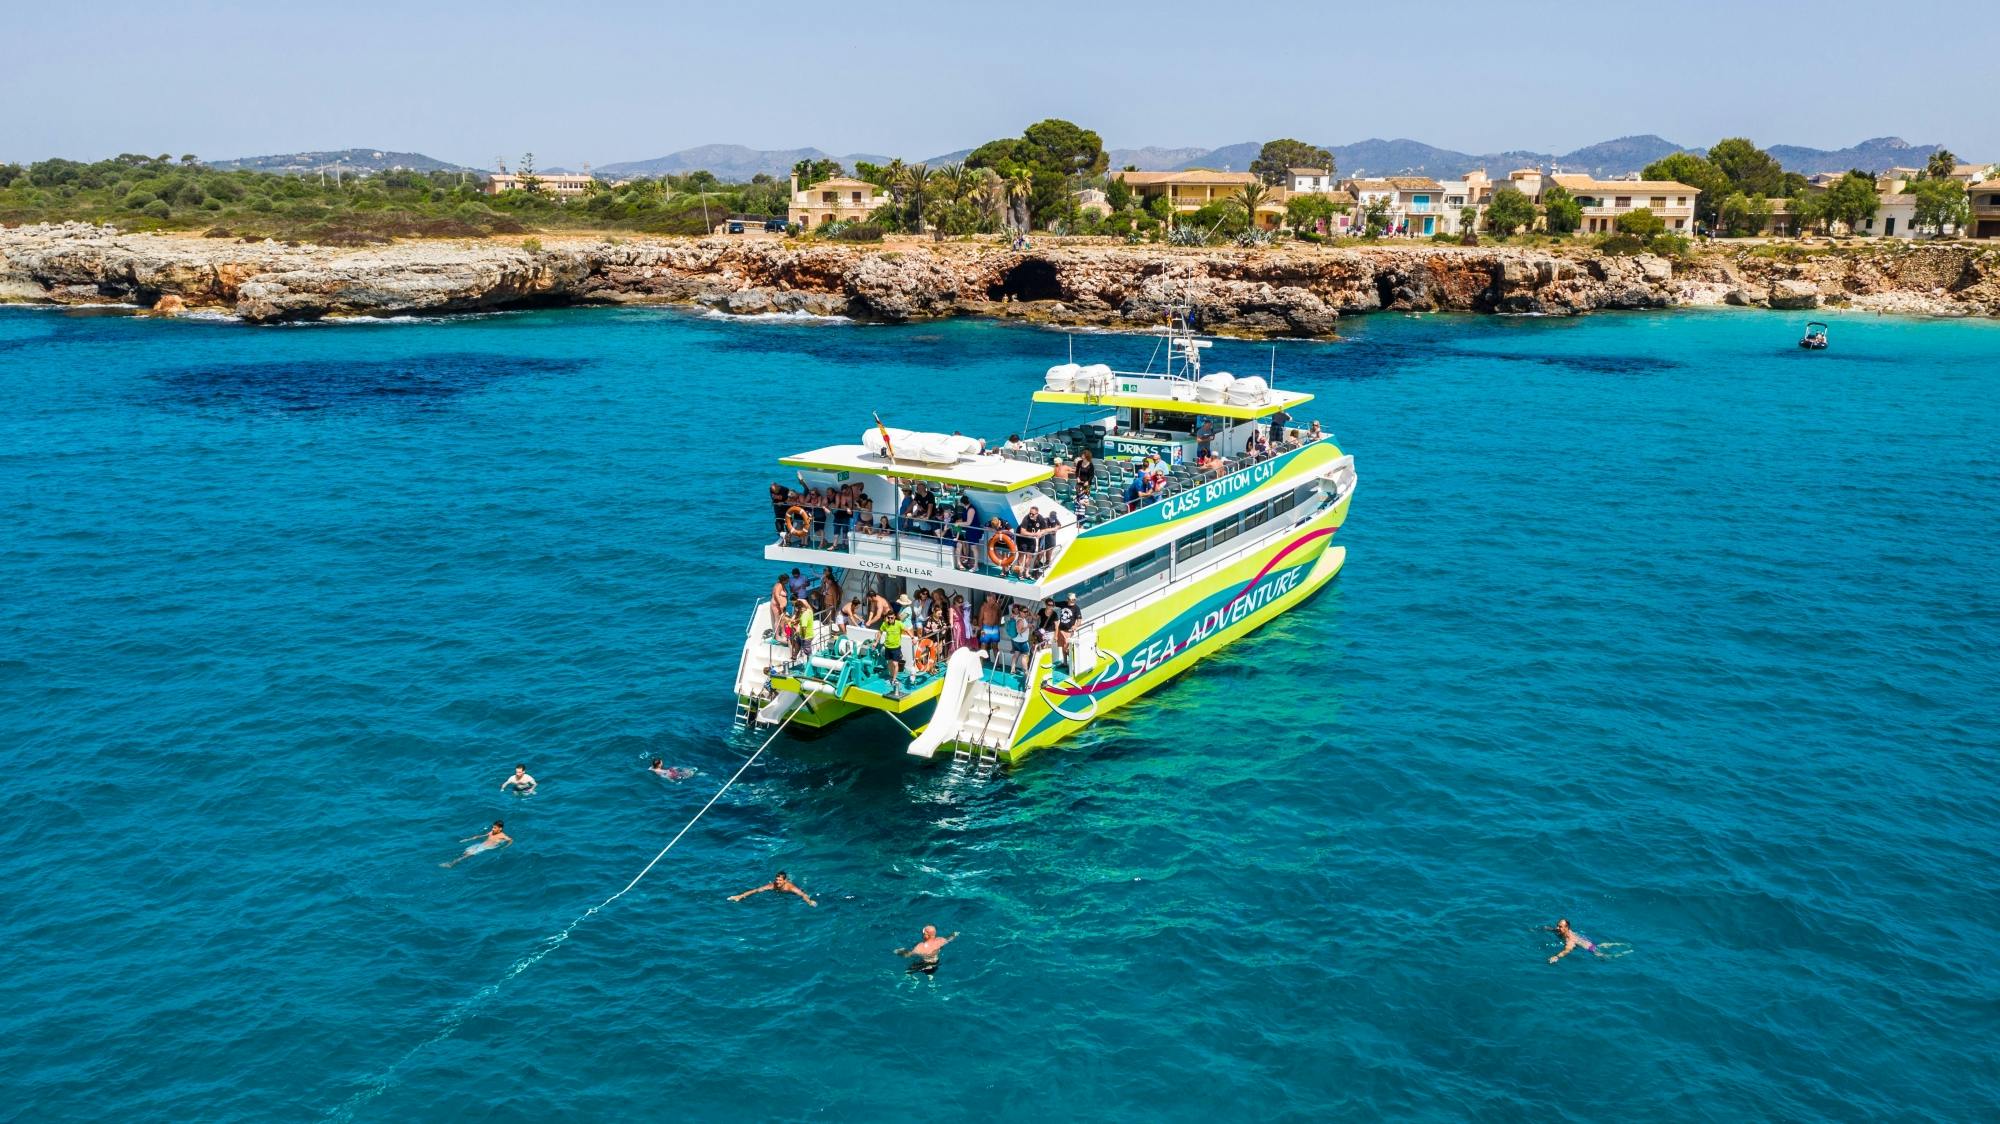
<point x="1062" y="376"/>
<point x="1094" y="379"/>
<point x="919" y="447"/>
<point x="1213" y="388"/>
<point x="1249" y="390"/>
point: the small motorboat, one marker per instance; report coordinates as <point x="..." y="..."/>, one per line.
<point x="1815" y="337"/>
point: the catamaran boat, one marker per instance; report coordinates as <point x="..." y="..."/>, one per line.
<point x="1171" y="555"/>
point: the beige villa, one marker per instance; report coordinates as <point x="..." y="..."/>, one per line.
<point x="1195" y="189"/>
<point x="1604" y="200"/>
<point x="1985" y="200"/>
<point x="840" y="199"/>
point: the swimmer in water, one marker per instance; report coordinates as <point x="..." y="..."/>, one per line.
<point x="1572" y="940"/>
<point x="494" y="839"/>
<point x="659" y="769"/>
<point x="520" y="782"/>
<point x="778" y="882"/>
<point x="925" y="952"/>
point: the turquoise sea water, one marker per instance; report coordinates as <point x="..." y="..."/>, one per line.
<point x="1650" y="621"/>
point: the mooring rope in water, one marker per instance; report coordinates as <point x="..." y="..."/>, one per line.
<point x="456" y="1017"/>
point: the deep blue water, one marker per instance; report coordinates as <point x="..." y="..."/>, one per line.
<point x="1652" y="621"/>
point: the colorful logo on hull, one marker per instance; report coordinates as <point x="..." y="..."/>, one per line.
<point x="1188" y="630"/>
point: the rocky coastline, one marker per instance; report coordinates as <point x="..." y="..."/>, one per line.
<point x="1294" y="291"/>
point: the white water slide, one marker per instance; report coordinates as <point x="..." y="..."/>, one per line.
<point x="962" y="672"/>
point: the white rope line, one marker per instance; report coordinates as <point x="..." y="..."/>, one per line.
<point x="456" y="1017"/>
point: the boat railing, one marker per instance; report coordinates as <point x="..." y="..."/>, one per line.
<point x="934" y="542"/>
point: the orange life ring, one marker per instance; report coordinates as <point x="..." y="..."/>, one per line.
<point x="993" y="550"/>
<point x="926" y="660"/>
<point x="797" y="521"/>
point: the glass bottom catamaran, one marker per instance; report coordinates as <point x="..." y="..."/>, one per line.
<point x="1214" y="553"/>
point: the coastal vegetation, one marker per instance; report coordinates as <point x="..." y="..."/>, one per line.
<point x="138" y="192"/>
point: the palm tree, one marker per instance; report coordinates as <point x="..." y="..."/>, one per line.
<point x="960" y="182"/>
<point x="1253" y="196"/>
<point x="894" y="176"/>
<point x="916" y="184"/>
<point x="1020" y="186"/>
<point x="990" y="194"/>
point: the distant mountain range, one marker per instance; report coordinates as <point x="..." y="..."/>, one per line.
<point x="1374" y="157"/>
<point x="344" y="159"/>
<point x="1606" y="158"/>
<point x="730" y="162"/>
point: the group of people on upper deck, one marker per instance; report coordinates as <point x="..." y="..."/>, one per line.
<point x="827" y="518"/>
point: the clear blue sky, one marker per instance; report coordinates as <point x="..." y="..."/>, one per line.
<point x="607" y="81"/>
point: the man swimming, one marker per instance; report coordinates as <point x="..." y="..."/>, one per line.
<point x="1572" y="940"/>
<point x="925" y="952"/>
<point x="520" y="782"/>
<point x="778" y="882"/>
<point x="494" y="839"/>
<point x="659" y="769"/>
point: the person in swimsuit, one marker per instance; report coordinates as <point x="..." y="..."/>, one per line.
<point x="494" y="839"/>
<point x="780" y="883"/>
<point x="989" y="627"/>
<point x="1572" y="940"/>
<point x="659" y="769"/>
<point x="520" y="782"/>
<point x="925" y="952"/>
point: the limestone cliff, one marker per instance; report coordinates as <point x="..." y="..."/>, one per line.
<point x="1299" y="291"/>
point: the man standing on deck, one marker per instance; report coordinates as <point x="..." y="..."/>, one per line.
<point x="990" y="612"/>
<point x="892" y="652"/>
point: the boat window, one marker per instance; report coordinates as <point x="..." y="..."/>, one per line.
<point x="1190" y="545"/>
<point x="1284" y="503"/>
<point x="1256" y="516"/>
<point x="1224" y="531"/>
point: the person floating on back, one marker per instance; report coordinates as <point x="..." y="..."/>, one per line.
<point x="494" y="839"/>
<point x="1572" y="940"/>
<point x="925" y="952"/>
<point x="782" y="884"/>
<point x="520" y="782"/>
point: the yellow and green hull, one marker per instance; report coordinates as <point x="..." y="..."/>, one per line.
<point x="1149" y="646"/>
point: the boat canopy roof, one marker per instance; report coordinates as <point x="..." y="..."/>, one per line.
<point x="986" y="472"/>
<point x="1219" y="395"/>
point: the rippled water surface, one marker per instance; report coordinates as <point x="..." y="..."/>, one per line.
<point x="1652" y="621"/>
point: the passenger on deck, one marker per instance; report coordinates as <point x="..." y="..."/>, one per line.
<point x="1315" y="433"/>
<point x="780" y="500"/>
<point x="829" y="591"/>
<point x="990" y="611"/>
<point x="781" y="600"/>
<point x="1028" y="540"/>
<point x="1013" y="447"/>
<point x="1278" y="423"/>
<point x="893" y="659"/>
<point x="879" y="609"/>
<point x="1135" y="488"/>
<point x="1086" y="471"/>
<point x="1068" y="615"/>
<point x="798" y="585"/>
<point x="1204" y="438"/>
<point x="1209" y="465"/>
<point x="882" y="528"/>
<point x="1045" y="625"/>
<point x="864" y="505"/>
<point x="843" y="515"/>
<point x="1020" y="639"/>
<point x="906" y="616"/>
<point x="920" y="608"/>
